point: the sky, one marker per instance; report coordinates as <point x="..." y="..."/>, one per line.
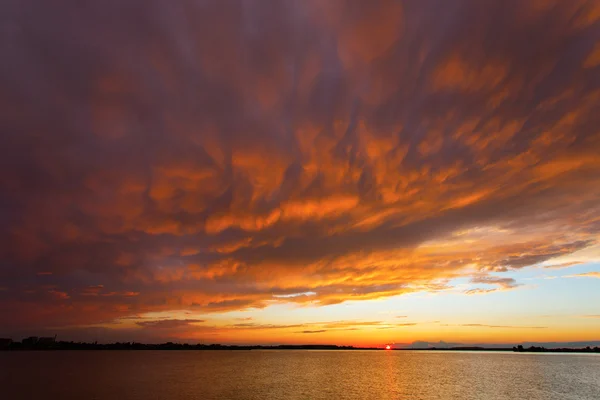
<point x="344" y="172"/>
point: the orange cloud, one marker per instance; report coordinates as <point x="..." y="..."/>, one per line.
<point x="350" y="151"/>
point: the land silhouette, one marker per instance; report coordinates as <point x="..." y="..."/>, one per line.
<point x="50" y="343"/>
<point x="34" y="343"/>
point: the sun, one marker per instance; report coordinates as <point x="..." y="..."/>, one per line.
<point x="388" y="347"/>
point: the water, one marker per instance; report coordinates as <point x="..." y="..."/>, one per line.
<point x="288" y="374"/>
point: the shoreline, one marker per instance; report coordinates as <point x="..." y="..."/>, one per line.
<point x="169" y="346"/>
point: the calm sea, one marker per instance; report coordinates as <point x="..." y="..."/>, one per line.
<point x="289" y="374"/>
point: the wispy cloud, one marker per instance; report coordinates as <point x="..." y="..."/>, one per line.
<point x="493" y="326"/>
<point x="593" y="274"/>
<point x="503" y="326"/>
<point x="501" y="284"/>
<point x="168" y="323"/>
<point x="563" y="265"/>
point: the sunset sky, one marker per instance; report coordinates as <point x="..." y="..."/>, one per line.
<point x="301" y="171"/>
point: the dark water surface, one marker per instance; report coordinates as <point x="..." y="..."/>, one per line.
<point x="303" y="374"/>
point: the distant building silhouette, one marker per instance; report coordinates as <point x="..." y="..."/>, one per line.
<point x="30" y="341"/>
<point x="35" y="342"/>
<point x="5" y="343"/>
<point x="46" y="342"/>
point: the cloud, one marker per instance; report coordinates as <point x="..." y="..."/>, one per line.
<point x="134" y="317"/>
<point x="397" y="325"/>
<point x="492" y="280"/>
<point x="563" y="265"/>
<point x="218" y="156"/>
<point x="481" y="291"/>
<point x="253" y="325"/>
<point x="501" y="283"/>
<point x="593" y="274"/>
<point x="317" y="331"/>
<point x="168" y="323"/>
<point x="504" y="326"/>
<point x="327" y="325"/>
<point x="59" y="295"/>
<point x="351" y="324"/>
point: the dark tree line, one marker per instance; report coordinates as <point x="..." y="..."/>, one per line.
<point x="61" y="345"/>
<point x="535" y="349"/>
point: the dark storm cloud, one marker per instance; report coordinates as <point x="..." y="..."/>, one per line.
<point x="210" y="155"/>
